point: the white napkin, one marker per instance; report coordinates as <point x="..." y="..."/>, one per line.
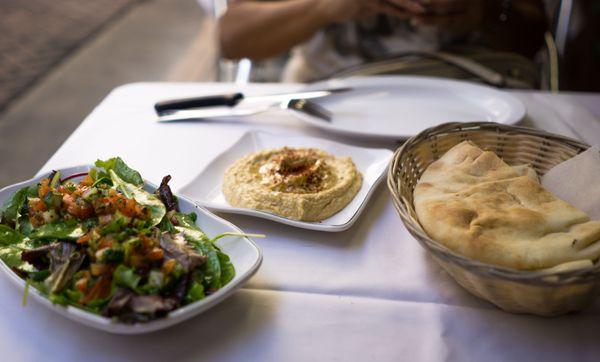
<point x="577" y="181"/>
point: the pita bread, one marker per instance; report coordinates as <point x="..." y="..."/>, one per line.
<point x="477" y="205"/>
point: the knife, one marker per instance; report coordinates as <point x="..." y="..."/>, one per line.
<point x="301" y="105"/>
<point x="231" y="100"/>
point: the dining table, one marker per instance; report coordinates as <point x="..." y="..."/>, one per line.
<point x="369" y="293"/>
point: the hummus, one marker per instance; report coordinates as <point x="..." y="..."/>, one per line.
<point x="298" y="183"/>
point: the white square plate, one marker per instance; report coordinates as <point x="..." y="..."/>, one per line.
<point x="243" y="252"/>
<point x="371" y="162"/>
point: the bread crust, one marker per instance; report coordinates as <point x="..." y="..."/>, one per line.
<point x="474" y="203"/>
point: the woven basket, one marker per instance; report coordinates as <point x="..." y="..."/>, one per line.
<point x="542" y="292"/>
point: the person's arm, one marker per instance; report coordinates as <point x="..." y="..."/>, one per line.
<point x="261" y="29"/>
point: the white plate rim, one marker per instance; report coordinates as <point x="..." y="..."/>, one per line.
<point x="283" y="220"/>
<point x="177" y="316"/>
<point x="518" y="109"/>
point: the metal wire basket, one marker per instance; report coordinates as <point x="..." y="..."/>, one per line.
<point x="548" y="292"/>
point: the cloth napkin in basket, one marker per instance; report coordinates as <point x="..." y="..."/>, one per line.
<point x="577" y="181"/>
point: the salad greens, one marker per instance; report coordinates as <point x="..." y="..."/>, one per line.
<point x="106" y="245"/>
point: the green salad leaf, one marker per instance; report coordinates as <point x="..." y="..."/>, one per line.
<point x="194" y="293"/>
<point x="227" y="269"/>
<point x="186" y="220"/>
<point x="70" y="230"/>
<point x="119" y="167"/>
<point x="9" y="236"/>
<point x="11" y="255"/>
<point x="25" y="226"/>
<point x="212" y="267"/>
<point x="11" y="210"/>
<point x="195" y="236"/>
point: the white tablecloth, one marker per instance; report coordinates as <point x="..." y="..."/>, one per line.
<point x="369" y="293"/>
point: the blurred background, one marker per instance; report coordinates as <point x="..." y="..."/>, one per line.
<point x="60" y="58"/>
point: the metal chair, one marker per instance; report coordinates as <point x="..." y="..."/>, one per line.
<point x="228" y="70"/>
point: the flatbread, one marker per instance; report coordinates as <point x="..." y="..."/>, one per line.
<point x="477" y="205"/>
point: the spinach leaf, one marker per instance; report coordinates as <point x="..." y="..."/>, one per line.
<point x="60" y="230"/>
<point x="157" y="208"/>
<point x="194" y="293"/>
<point x="192" y="234"/>
<point x="187" y="220"/>
<point x="218" y="269"/>
<point x="227" y="269"/>
<point x="102" y="180"/>
<point x="167" y="225"/>
<point x="9" y="236"/>
<point x="187" y="226"/>
<point x="11" y="210"/>
<point x="211" y="269"/>
<point x="212" y="266"/>
<point x="118" y="166"/>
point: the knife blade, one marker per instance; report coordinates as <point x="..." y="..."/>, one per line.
<point x="167" y="107"/>
<point x="209" y="113"/>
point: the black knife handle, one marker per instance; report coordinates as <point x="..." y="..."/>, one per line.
<point x="228" y="100"/>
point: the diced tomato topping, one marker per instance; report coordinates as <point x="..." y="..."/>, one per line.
<point x="87" y="181"/>
<point x="156" y="254"/>
<point x="44" y="188"/>
<point x="82" y="285"/>
<point x="37" y="205"/>
<point x="101" y="289"/>
<point x="168" y="266"/>
<point x="106" y="242"/>
<point x="84" y="239"/>
<point x="147" y="242"/>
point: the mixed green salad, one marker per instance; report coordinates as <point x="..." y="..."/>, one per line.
<point x="105" y="245"/>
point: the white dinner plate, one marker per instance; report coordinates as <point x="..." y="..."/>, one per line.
<point x="245" y="256"/>
<point x="398" y="107"/>
<point x="371" y="162"/>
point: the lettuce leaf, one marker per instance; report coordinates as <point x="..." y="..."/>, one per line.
<point x="10" y="212"/>
<point x="60" y="230"/>
<point x="119" y="167"/>
<point x="11" y="255"/>
<point x="9" y="236"/>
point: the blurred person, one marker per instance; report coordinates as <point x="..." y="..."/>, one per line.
<point x="329" y="35"/>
